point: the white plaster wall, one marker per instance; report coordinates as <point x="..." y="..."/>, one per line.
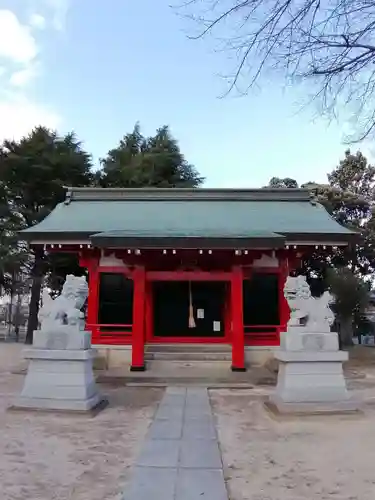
<point x="111" y="260"/>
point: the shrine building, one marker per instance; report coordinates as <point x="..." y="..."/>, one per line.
<point x="185" y="266"/>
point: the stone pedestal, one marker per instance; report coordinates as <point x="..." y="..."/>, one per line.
<point x="311" y="378"/>
<point x="60" y="374"/>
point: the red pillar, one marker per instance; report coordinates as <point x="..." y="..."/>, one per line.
<point x="238" y="335"/>
<point x="283" y="303"/>
<point x="138" y="332"/>
<point x="93" y="299"/>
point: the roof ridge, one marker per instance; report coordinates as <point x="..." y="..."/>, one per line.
<point x="186" y="194"/>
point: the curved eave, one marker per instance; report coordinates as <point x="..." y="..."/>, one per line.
<point x="100" y="240"/>
<point x="113" y="240"/>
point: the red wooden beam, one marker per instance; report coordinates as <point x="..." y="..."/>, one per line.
<point x="188" y="276"/>
<point x="138" y="339"/>
<point x="238" y="336"/>
<point x="116" y="270"/>
<point x="109" y="325"/>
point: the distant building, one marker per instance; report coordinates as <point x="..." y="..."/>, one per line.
<point x="370" y="311"/>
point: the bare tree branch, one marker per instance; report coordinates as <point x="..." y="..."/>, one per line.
<point x="329" y="41"/>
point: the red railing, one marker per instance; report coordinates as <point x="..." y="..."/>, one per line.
<point x="115" y="336"/>
<point x="262" y="335"/>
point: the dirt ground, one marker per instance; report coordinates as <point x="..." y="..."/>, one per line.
<point x="296" y="458"/>
<point x="50" y="457"/>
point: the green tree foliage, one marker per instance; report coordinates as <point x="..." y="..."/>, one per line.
<point x="351" y="295"/>
<point x="141" y="161"/>
<point x="14" y="255"/>
<point x="286" y="182"/>
<point x="348" y="197"/>
<point x="33" y="172"/>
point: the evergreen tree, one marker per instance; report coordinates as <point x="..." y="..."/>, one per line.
<point x="155" y="161"/>
<point x="349" y="198"/>
<point x="33" y="172"/>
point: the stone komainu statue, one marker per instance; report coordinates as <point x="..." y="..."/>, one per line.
<point x="302" y="304"/>
<point x="66" y="308"/>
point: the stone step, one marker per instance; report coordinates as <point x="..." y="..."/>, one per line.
<point x="209" y="374"/>
<point x="188" y="356"/>
<point x="177" y="381"/>
<point x="190" y="348"/>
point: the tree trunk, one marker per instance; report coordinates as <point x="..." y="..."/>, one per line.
<point x="11" y="316"/>
<point x="346" y="331"/>
<point x="18" y="316"/>
<point x="37" y="277"/>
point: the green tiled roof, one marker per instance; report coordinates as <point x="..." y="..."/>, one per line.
<point x="184" y="213"/>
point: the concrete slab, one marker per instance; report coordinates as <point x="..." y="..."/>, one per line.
<point x="193" y="484"/>
<point x="165" y="429"/>
<point x="197" y="412"/>
<point x="152" y="483"/>
<point x="199" y="429"/>
<point x="181" y="446"/>
<point x="196" y="391"/>
<point x="175" y="390"/>
<point x="196" y="400"/>
<point x="159" y="453"/>
<point x="176" y="400"/>
<point x="200" y="454"/>
<point x="169" y="413"/>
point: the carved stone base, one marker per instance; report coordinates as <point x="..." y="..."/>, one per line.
<point x="311" y="378"/>
<point x="59" y="379"/>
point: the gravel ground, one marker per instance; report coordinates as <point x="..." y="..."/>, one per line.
<point x="296" y="458"/>
<point x="54" y="457"/>
<point x="51" y="457"/>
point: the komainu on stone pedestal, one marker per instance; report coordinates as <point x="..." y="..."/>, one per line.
<point x="66" y="308"/>
<point x="60" y="373"/>
<point x="310" y="378"/>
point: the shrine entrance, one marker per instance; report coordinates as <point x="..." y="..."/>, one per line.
<point x="183" y="309"/>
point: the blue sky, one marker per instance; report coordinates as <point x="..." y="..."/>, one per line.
<point x="97" y="67"/>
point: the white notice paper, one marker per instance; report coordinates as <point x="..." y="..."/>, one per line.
<point x="217" y="326"/>
<point x="200" y="313"/>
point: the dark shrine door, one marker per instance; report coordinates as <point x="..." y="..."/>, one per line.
<point x="171" y="308"/>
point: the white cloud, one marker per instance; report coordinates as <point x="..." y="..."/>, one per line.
<point x="19" y="60"/>
<point x="23" y="76"/>
<point x="37" y="21"/>
<point x="16" y="41"/>
<point x="18" y="116"/>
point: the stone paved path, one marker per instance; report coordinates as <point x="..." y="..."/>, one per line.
<point x="180" y="459"/>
